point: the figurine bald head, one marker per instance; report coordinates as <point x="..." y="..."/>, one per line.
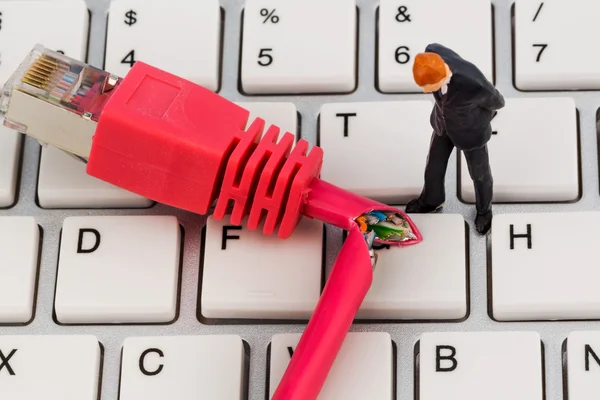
<point x="430" y="72"/>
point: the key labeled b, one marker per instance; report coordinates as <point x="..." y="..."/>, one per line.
<point x="480" y="365"/>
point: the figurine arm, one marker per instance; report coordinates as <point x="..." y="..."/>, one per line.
<point x="490" y="98"/>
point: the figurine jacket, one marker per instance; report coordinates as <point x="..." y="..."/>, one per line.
<point x="464" y="113"/>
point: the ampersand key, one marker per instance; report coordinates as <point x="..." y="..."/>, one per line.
<point x="402" y="16"/>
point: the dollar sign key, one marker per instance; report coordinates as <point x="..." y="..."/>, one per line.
<point x="130" y="18"/>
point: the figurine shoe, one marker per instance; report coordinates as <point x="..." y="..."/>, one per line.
<point x="415" y="206"/>
<point x="483" y="222"/>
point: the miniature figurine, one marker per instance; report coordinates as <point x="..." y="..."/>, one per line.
<point x="465" y="103"/>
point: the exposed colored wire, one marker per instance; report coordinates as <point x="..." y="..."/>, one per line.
<point x="384" y="225"/>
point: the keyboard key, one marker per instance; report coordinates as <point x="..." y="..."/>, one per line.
<point x="376" y="149"/>
<point x="428" y="281"/>
<point x="291" y="47"/>
<point x="362" y="370"/>
<point x="182" y="368"/>
<point x="247" y="274"/>
<point x="19" y="248"/>
<point x="183" y="38"/>
<point x="49" y="367"/>
<point x="283" y="115"/>
<point x="552" y="45"/>
<point x="10" y="143"/>
<point x="63" y="183"/>
<point x="544" y="266"/>
<point x="115" y="269"/>
<point x="480" y="365"/>
<point x="407" y="27"/>
<point x="546" y="127"/>
<point x="61" y="25"/>
<point x="583" y="365"/>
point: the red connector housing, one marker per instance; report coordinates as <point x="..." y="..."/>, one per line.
<point x="170" y="140"/>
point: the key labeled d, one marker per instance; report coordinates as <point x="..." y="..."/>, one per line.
<point x="84" y="243"/>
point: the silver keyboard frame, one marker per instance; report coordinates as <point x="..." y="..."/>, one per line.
<point x="404" y="334"/>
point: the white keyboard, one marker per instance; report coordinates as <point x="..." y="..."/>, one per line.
<point x="106" y="295"/>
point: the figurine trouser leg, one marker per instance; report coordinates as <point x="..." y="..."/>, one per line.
<point x="434" y="190"/>
<point x="478" y="162"/>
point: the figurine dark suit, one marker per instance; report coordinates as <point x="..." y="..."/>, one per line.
<point x="460" y="118"/>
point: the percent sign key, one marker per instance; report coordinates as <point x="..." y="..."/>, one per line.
<point x="269" y="16"/>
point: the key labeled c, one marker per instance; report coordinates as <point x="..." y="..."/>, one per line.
<point x="143" y="359"/>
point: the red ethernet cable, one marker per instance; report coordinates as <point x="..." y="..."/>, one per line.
<point x="172" y="141"/>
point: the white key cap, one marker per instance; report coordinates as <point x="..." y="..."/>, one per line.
<point x="247" y="274"/>
<point x="583" y="365"/>
<point x="363" y="369"/>
<point x="547" y="268"/>
<point x="522" y="127"/>
<point x="376" y="149"/>
<point x="59" y="24"/>
<point x="183" y="38"/>
<point x="19" y="248"/>
<point x="10" y="142"/>
<point x="480" y="365"/>
<point x="283" y="115"/>
<point x="428" y="281"/>
<point x="49" y="367"/>
<point x="63" y="182"/>
<point x="182" y="368"/>
<point x="552" y="45"/>
<point x="299" y="47"/>
<point x="407" y="27"/>
<point x="118" y="269"/>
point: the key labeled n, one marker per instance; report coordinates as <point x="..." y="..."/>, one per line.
<point x="591" y="356"/>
